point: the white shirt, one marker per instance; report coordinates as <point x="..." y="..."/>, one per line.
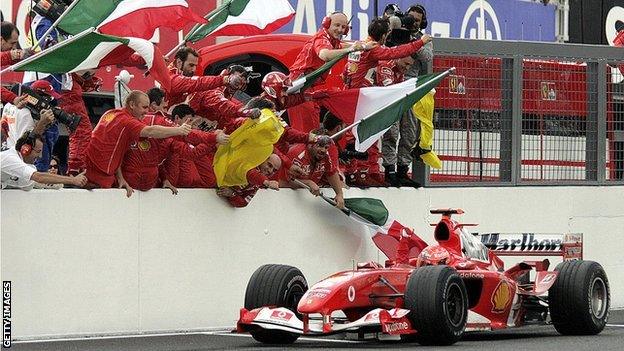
<point x="15" y="172"/>
<point x="19" y="121"/>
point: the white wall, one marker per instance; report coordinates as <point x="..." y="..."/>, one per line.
<point x="98" y="263"/>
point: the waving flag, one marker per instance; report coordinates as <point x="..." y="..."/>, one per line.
<point x="395" y="240"/>
<point x="375" y="109"/>
<point x="91" y="50"/>
<point x="128" y="18"/>
<point x="244" y="17"/>
<point x="249" y="146"/>
<point x="306" y="81"/>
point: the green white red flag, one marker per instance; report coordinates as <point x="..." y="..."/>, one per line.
<point x="243" y="18"/>
<point x="90" y="50"/>
<point x="128" y="18"/>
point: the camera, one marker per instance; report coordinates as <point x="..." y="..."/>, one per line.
<point x="35" y="102"/>
<point x="51" y="9"/>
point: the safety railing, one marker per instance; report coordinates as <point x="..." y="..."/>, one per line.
<point x="518" y="113"/>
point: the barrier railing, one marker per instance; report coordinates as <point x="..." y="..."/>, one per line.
<point x="527" y="113"/>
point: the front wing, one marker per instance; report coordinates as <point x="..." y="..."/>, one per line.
<point x="393" y="322"/>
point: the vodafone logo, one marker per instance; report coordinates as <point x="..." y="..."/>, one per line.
<point x="480" y="22"/>
<point x="391" y="328"/>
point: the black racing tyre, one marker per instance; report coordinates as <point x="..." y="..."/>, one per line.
<point x="579" y="299"/>
<point x="438" y="302"/>
<point x="275" y="285"/>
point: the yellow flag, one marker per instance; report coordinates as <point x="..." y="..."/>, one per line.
<point x="423" y="110"/>
<point x="249" y="146"/>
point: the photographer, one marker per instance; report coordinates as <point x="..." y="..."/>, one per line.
<point x="18" y="171"/>
<point x="19" y="120"/>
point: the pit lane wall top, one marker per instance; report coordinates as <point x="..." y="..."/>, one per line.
<point x="97" y="263"/>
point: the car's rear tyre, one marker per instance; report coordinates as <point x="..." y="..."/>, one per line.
<point x="579" y="299"/>
<point x="275" y="285"/>
<point x="438" y="302"/>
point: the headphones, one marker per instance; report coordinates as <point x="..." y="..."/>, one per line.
<point x="29" y="144"/>
<point x="420" y="8"/>
<point x="326" y="23"/>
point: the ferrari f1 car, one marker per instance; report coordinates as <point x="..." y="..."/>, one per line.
<point x="433" y="294"/>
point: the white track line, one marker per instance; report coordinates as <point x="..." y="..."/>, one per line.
<point x="616" y="325"/>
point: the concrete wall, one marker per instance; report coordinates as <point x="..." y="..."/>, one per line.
<point x="98" y="263"/>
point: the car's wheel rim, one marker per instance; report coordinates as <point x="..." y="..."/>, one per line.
<point x="455" y="308"/>
<point x="598" y="298"/>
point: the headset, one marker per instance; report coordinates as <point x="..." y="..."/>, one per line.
<point x="326" y="23"/>
<point x="29" y="144"/>
<point x="420" y="8"/>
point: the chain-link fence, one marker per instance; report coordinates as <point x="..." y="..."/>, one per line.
<point x="528" y="113"/>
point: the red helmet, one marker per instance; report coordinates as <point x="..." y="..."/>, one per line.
<point x="274" y="84"/>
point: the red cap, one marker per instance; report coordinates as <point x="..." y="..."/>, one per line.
<point x="46" y="87"/>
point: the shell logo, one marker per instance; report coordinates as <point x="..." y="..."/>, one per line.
<point x="501" y="297"/>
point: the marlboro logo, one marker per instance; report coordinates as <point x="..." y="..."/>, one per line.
<point x="522" y="242"/>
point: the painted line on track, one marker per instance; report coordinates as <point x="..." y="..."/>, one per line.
<point x="616" y="325"/>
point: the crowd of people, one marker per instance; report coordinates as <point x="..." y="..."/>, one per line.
<point x="168" y="138"/>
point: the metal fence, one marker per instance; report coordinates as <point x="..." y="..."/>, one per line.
<point x="516" y="113"/>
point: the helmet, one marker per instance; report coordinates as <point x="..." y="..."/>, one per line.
<point x="433" y="256"/>
<point x="274" y="84"/>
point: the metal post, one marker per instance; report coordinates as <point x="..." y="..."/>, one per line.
<point x="592" y="140"/>
<point x="511" y="120"/>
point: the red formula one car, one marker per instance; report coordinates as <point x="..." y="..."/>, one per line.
<point x="457" y="285"/>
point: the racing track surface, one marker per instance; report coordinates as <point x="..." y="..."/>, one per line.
<point x="530" y="338"/>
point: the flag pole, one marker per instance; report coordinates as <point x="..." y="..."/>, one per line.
<point x="349" y="127"/>
<point x="58" y="20"/>
<point x="50" y="49"/>
<point x="327" y="199"/>
<point x="197" y="26"/>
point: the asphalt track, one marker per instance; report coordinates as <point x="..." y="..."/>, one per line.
<point x="521" y="339"/>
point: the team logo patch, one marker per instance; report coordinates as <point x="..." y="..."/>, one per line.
<point x="501" y="297"/>
<point x="144" y="145"/>
<point x="108" y="117"/>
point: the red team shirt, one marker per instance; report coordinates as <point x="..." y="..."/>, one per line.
<point x="360" y="67"/>
<point x="308" y="59"/>
<point x="300" y="156"/>
<point x="110" y="140"/>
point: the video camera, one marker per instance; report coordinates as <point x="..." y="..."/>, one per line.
<point x="51" y="9"/>
<point x="36" y="101"/>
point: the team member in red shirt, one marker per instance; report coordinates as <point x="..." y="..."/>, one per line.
<point x="240" y="196"/>
<point x="322" y="47"/>
<point x="316" y="163"/>
<point x="114" y="133"/>
<point x="360" y="67"/>
<point x="71" y="102"/>
<point x="184" y="81"/>
<point x="219" y="104"/>
<point x="10" y="55"/>
<point x="140" y="164"/>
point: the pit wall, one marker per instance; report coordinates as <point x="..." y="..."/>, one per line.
<point x="95" y="263"/>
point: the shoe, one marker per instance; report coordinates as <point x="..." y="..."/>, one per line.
<point x="404" y="179"/>
<point x="391" y="177"/>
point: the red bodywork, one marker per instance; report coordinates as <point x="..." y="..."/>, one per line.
<point x="497" y="298"/>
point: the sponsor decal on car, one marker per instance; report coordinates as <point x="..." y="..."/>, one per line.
<point x="396" y="327"/>
<point x="501" y="297"/>
<point x="351" y="293"/>
<point x="470" y="275"/>
<point x="281" y="315"/>
<point x="522" y="242"/>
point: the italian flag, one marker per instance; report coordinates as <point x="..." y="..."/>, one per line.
<point x="306" y="81"/>
<point x="128" y="18"/>
<point x="243" y="17"/>
<point x="386" y="231"/>
<point x="371" y="111"/>
<point x="90" y="50"/>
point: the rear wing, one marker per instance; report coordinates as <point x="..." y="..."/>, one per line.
<point x="568" y="245"/>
